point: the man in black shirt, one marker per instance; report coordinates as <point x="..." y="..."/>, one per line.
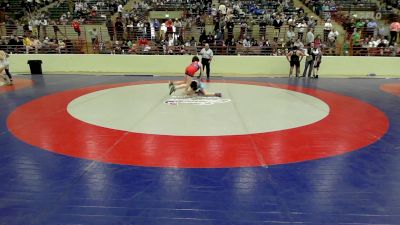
<point x="230" y="25"/>
<point x="277" y="27"/>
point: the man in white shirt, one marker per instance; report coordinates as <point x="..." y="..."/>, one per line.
<point x="206" y="56"/>
<point x="246" y="45"/>
<point x="120" y="9"/>
<point x="332" y="36"/>
<point x="327" y="28"/>
<point x="93" y="36"/>
<point x="302" y="27"/>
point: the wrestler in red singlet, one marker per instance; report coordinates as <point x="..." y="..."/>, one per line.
<point x="192" y="68"/>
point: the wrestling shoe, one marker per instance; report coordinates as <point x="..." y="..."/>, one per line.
<point x="172" y="89"/>
<point x="218" y="95"/>
<point x="170" y="84"/>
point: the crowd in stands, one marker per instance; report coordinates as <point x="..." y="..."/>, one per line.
<point x="41" y="32"/>
<point x="368" y="35"/>
<point x="230" y="27"/>
<point x="263" y="27"/>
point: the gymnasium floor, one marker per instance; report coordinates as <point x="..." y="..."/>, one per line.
<point x="105" y="150"/>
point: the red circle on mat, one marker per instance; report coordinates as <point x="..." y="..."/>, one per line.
<point x="350" y="125"/>
<point x="393" y="88"/>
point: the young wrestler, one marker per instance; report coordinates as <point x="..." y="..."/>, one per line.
<point x="190" y="71"/>
<point x="198" y="88"/>
<point x="294" y="57"/>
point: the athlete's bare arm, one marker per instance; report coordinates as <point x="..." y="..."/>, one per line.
<point x="300" y="54"/>
<point x="288" y="56"/>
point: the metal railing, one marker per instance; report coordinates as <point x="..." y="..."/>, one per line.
<point x="76" y="47"/>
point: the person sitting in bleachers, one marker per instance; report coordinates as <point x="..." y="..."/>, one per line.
<point x="27" y="44"/>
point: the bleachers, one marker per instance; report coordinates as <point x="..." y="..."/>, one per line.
<point x="349" y="5"/>
<point x="277" y="45"/>
<point x="20" y="8"/>
<point x="56" y="11"/>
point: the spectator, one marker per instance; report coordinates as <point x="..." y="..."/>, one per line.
<point x="300" y="11"/>
<point x="229" y="26"/>
<point x="371" y="27"/>
<point x="77" y="28"/>
<point x="56" y="30"/>
<point x="44" y="24"/>
<point x="178" y="26"/>
<point x="170" y="27"/>
<point x="332" y="36"/>
<point x="312" y="22"/>
<point x="302" y="27"/>
<point x="141" y="29"/>
<point x="36" y="27"/>
<point x="193" y="42"/>
<point x="290" y="35"/>
<point x="15" y="44"/>
<point x="143" y="41"/>
<point x="246" y="45"/>
<point x="230" y="43"/>
<point x="394" y="31"/>
<point x="277" y="26"/>
<point x="63" y="19"/>
<point x="210" y="39"/>
<point x="27" y="44"/>
<point x="372" y="43"/>
<point x="36" y="44"/>
<point x="310" y="36"/>
<point x="356" y="38"/>
<point x="119" y="29"/>
<point x="218" y="36"/>
<point x="327" y="29"/>
<point x="110" y="29"/>
<point x="383" y="30"/>
<point x="291" y="22"/>
<point x="317" y="41"/>
<point x="94" y="35"/>
<point x="263" y="27"/>
<point x="265" y="46"/>
<point x="203" y="37"/>
<point x="243" y="29"/>
<point x="222" y="9"/>
<point x="298" y="44"/>
<point x="120" y="9"/>
<point x="144" y="44"/>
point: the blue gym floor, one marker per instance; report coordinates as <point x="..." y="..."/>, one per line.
<point x="39" y="187"/>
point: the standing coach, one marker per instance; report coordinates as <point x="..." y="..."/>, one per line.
<point x="206" y="57"/>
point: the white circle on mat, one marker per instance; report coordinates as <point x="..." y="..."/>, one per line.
<point x="248" y="109"/>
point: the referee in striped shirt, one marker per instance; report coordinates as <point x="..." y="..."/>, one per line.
<point x="206" y="57"/>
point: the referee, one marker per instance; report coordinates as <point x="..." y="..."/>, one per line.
<point x="206" y="57"/>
